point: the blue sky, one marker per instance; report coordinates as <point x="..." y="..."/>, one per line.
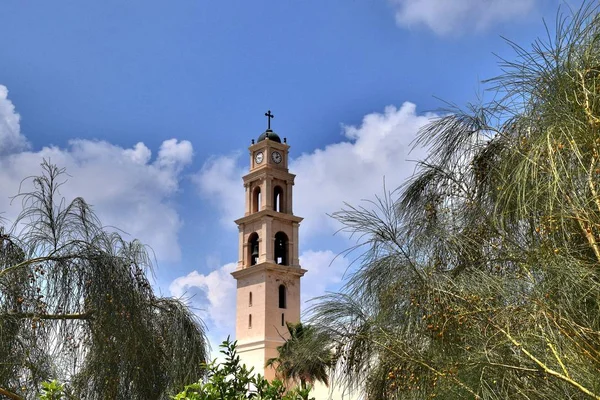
<point x="150" y="105"/>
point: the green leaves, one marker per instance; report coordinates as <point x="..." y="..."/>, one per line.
<point x="52" y="390"/>
<point x="232" y="380"/>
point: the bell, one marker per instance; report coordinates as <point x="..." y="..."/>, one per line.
<point x="279" y="251"/>
<point x="255" y="250"/>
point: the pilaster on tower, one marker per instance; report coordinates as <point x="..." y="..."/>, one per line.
<point x="268" y="272"/>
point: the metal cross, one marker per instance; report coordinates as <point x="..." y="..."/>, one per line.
<point x="269" y="116"/>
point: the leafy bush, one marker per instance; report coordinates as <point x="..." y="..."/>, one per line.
<point x="232" y="380"/>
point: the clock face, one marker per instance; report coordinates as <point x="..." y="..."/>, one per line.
<point x="276" y="156"/>
<point x="258" y="157"/>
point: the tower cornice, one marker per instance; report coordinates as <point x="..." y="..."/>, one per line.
<point x="264" y="170"/>
<point x="269" y="143"/>
<point x="268" y="267"/>
<point x="267" y="213"/>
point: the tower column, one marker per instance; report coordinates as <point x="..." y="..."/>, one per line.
<point x="261" y="185"/>
<point x="242" y="246"/>
<point x="248" y="195"/>
<point x="288" y="198"/>
<point x="295" y="258"/>
<point x="269" y="248"/>
<point x="268" y="196"/>
<point x="262" y="243"/>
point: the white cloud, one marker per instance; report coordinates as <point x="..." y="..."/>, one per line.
<point x="126" y="189"/>
<point x="324" y="273"/>
<point x="348" y="171"/>
<point x="174" y="154"/>
<point x="457" y="16"/>
<point x="220" y="182"/>
<point x="212" y="296"/>
<point x="139" y="154"/>
<point x="11" y="138"/>
<point x="354" y="170"/>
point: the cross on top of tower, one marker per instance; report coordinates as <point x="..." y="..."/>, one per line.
<point x="269" y="116"/>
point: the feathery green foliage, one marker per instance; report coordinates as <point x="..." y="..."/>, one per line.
<point x="480" y="277"/>
<point x="76" y="305"/>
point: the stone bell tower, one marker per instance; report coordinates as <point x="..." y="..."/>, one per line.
<point x="268" y="272"/>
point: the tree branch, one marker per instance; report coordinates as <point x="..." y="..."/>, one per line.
<point x="545" y="367"/>
<point x="36" y="260"/>
<point x="10" y="395"/>
<point x="85" y="316"/>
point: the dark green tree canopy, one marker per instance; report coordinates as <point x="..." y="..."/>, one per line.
<point x="76" y="304"/>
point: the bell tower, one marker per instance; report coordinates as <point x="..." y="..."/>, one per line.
<point x="268" y="272"/>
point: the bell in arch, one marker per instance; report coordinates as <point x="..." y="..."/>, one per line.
<point x="281" y="248"/>
<point x="254" y="254"/>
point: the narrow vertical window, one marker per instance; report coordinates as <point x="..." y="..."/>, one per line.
<point x="278" y="199"/>
<point x="282" y="319"/>
<point x="282" y="296"/>
<point x="250" y="321"/>
<point x="256" y="199"/>
<point x="250" y="300"/>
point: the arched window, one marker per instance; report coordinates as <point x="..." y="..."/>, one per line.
<point x="253" y="249"/>
<point x="250" y="300"/>
<point x="250" y="321"/>
<point x="278" y="199"/>
<point x="282" y="299"/>
<point x="281" y="249"/>
<point x="256" y="199"/>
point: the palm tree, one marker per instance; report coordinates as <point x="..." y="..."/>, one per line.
<point x="305" y="357"/>
<point x="76" y="305"/>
